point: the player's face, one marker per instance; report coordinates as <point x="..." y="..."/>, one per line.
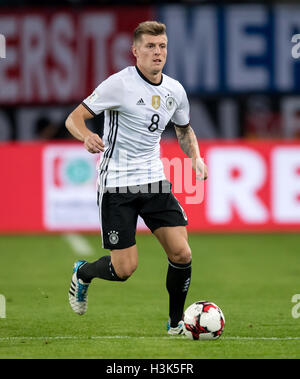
<point x="151" y="52"/>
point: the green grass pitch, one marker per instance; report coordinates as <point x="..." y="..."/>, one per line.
<point x="252" y="277"/>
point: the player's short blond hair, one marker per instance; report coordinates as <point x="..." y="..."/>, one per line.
<point x="153" y="28"/>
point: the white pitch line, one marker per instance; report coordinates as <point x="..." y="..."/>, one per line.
<point x="79" y="244"/>
<point x="262" y="338"/>
<point x="236" y="338"/>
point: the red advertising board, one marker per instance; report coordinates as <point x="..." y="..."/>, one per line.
<point x="61" y="56"/>
<point x="252" y="186"/>
<point x="21" y="187"/>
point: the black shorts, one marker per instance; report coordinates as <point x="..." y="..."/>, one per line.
<point x="120" y="207"/>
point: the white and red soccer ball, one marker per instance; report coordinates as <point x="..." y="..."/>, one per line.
<point x="203" y="320"/>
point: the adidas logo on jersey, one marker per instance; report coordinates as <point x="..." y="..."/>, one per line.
<point x="140" y="102"/>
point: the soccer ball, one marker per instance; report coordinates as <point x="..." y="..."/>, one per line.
<point x="203" y="320"/>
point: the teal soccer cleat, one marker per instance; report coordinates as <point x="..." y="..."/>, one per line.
<point x="177" y="330"/>
<point x="78" y="297"/>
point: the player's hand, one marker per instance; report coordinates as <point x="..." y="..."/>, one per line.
<point x="200" y="168"/>
<point x="93" y="143"/>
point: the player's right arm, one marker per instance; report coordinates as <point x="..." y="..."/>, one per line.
<point x="76" y="125"/>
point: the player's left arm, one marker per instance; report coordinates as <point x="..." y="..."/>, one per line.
<point x="189" y="145"/>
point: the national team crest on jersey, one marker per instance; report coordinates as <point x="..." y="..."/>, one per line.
<point x="155" y="101"/>
<point x="170" y="103"/>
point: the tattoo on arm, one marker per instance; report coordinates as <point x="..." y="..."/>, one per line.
<point x="188" y="141"/>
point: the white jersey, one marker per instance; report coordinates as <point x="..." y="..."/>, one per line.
<point x="136" y="113"/>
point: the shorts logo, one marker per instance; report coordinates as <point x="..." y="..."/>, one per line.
<point x="113" y="237"/>
<point x="155" y="102"/>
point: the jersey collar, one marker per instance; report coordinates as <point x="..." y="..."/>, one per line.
<point x="147" y="80"/>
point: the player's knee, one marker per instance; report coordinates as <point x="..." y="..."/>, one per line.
<point x="186" y="255"/>
<point x="182" y="255"/>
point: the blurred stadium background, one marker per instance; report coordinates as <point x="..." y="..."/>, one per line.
<point x="239" y="66"/>
<point x="235" y="61"/>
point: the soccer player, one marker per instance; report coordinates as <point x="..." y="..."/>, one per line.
<point x="138" y="102"/>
